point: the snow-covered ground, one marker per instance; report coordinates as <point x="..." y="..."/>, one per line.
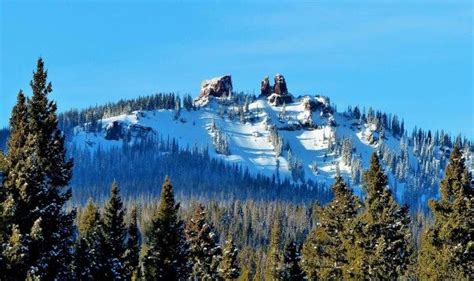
<point x="249" y="142"/>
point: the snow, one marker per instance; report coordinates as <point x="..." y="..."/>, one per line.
<point x="249" y="142"/>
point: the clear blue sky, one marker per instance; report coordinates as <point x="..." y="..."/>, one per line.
<point x="411" y="58"/>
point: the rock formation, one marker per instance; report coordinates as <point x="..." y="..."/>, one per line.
<point x="280" y="93"/>
<point x="217" y="87"/>
<point x="280" y="85"/>
<point x="265" y="87"/>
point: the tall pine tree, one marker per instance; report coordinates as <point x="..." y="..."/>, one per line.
<point x="229" y="268"/>
<point x="132" y="252"/>
<point x="447" y="247"/>
<point x="291" y="262"/>
<point x="90" y="258"/>
<point x="205" y="251"/>
<point x="37" y="174"/>
<point x="382" y="238"/>
<point x="165" y="253"/>
<point x="325" y="249"/>
<point x="274" y="266"/>
<point x="115" y="232"/>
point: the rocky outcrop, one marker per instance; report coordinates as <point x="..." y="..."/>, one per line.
<point x="265" y="87"/>
<point x="280" y="93"/>
<point x="217" y="87"/>
<point x="278" y="100"/>
<point x="280" y="85"/>
<point x="118" y="130"/>
<point x="114" y="131"/>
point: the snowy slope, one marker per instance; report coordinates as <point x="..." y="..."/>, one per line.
<point x="248" y="140"/>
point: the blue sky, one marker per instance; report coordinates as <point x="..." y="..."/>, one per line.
<point x="412" y="58"/>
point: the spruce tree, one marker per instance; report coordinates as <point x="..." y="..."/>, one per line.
<point x="229" y="268"/>
<point x="381" y="241"/>
<point x="165" y="251"/>
<point x="291" y="262"/>
<point x="37" y="174"/>
<point x="114" y="232"/>
<point x="15" y="256"/>
<point x="205" y="252"/>
<point x="90" y="259"/>
<point x="447" y="247"/>
<point x="132" y="252"/>
<point x="274" y="266"/>
<point x="324" y="252"/>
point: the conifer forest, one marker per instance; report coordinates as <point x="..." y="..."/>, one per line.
<point x="153" y="209"/>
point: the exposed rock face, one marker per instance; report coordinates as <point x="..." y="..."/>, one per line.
<point x="280" y="85"/>
<point x="114" y="131"/>
<point x="119" y="131"/>
<point x="280" y="93"/>
<point x="217" y="87"/>
<point x="278" y="100"/>
<point x="265" y="87"/>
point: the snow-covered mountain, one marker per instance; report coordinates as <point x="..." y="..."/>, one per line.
<point x="304" y="139"/>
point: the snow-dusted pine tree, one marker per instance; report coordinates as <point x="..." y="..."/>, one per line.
<point x="205" y="252"/>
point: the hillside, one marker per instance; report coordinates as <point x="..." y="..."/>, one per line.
<point x="302" y="139"/>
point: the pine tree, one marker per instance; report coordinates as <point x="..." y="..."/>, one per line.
<point x="274" y="264"/>
<point x="447" y="247"/>
<point x="324" y="252"/>
<point x="114" y="232"/>
<point x="205" y="251"/>
<point x="12" y="161"/>
<point x="37" y="175"/>
<point x="382" y="243"/>
<point x="229" y="268"/>
<point x="165" y="252"/>
<point x="90" y="259"/>
<point x="132" y="252"/>
<point x="15" y="255"/>
<point x="291" y="262"/>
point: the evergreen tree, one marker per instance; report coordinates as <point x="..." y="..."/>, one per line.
<point x="90" y="259"/>
<point x="229" y="268"/>
<point x="114" y="232"/>
<point x="381" y="243"/>
<point x="325" y="249"/>
<point x="132" y="252"/>
<point x="274" y="264"/>
<point x="37" y="175"/>
<point x="205" y="251"/>
<point x="291" y="260"/>
<point x="15" y="256"/>
<point x="447" y="247"/>
<point x="165" y="252"/>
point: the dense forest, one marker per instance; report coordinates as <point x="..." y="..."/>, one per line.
<point x="167" y="236"/>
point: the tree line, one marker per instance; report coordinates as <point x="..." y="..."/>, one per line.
<point x="350" y="238"/>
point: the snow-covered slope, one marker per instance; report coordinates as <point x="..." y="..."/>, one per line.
<point x="313" y="137"/>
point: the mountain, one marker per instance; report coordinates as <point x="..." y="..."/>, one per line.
<point x="272" y="146"/>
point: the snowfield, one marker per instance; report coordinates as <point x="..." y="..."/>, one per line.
<point x="249" y="140"/>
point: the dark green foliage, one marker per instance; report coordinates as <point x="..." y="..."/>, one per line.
<point x="447" y="249"/>
<point x="165" y="250"/>
<point x="37" y="174"/>
<point x="205" y="252"/>
<point x="325" y="249"/>
<point x="15" y="256"/>
<point x="90" y="259"/>
<point x="229" y="268"/>
<point x="381" y="244"/>
<point x="114" y="232"/>
<point x="132" y="249"/>
<point x="274" y="265"/>
<point x="291" y="262"/>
